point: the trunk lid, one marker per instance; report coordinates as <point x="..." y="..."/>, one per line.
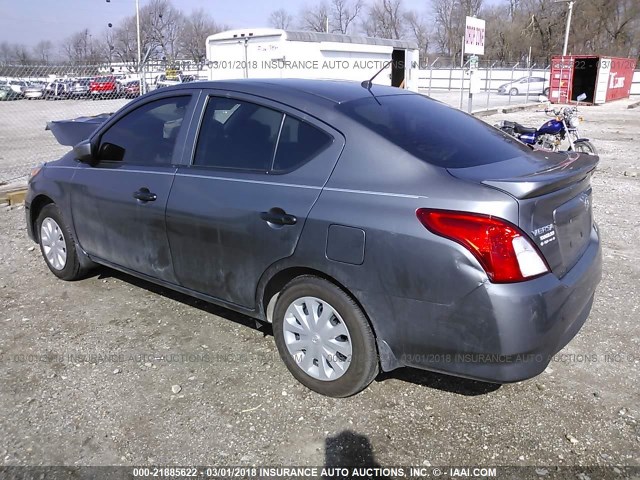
<point x="72" y="132"/>
<point x="553" y="191"/>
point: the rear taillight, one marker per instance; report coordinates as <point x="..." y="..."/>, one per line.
<point x="502" y="249"/>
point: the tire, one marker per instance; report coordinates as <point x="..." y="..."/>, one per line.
<point x="344" y="372"/>
<point x="545" y="92"/>
<point x="513" y="92"/>
<point x="57" y="231"/>
<point x="585" y="146"/>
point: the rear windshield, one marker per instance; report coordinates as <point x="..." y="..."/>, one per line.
<point x="104" y="79"/>
<point x="433" y="132"/>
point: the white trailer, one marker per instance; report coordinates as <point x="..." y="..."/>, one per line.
<point x="274" y="53"/>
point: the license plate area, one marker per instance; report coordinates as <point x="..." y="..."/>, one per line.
<point x="573" y="221"/>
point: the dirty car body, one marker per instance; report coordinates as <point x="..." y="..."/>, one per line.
<point x="464" y="251"/>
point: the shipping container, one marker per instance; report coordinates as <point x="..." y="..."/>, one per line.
<point x="601" y="79"/>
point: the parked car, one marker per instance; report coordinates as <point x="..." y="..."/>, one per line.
<point x="165" y="81"/>
<point x="535" y="85"/>
<point x="323" y="208"/>
<point x="33" y="91"/>
<point x="17" y="86"/>
<point x="7" y="93"/>
<point x="104" y="86"/>
<point x="80" y="87"/>
<point x="57" y="90"/>
<point x="132" y="89"/>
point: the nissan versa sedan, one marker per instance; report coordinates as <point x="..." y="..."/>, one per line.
<point x="373" y="227"/>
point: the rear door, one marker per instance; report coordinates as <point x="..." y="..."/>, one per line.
<point x="256" y="170"/>
<point x="118" y="205"/>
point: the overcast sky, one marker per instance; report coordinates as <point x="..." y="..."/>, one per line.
<point x="29" y="21"/>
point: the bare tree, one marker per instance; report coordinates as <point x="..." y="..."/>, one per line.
<point x="344" y="13"/>
<point x="123" y="43"/>
<point x="280" y="19"/>
<point x="162" y="24"/>
<point x="42" y="51"/>
<point x="80" y="49"/>
<point x="196" y="28"/>
<point x="14" y="53"/>
<point x="450" y="18"/>
<point x="419" y="28"/>
<point x="386" y="19"/>
<point x="316" y="18"/>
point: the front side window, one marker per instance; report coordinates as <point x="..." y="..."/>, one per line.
<point x="238" y="135"/>
<point x="147" y="135"/>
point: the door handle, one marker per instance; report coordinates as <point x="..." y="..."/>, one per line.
<point x="278" y="216"/>
<point x="144" y="195"/>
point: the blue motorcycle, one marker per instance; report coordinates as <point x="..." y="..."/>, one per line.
<point x="553" y="132"/>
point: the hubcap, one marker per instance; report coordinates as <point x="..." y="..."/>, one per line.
<point x="317" y="338"/>
<point x="53" y="243"/>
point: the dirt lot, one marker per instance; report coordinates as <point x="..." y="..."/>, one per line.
<point x="114" y="371"/>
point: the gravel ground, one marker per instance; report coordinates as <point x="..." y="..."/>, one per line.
<point x="115" y="371"/>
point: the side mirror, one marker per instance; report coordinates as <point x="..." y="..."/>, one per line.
<point x="84" y="152"/>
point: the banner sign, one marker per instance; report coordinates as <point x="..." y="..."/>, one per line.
<point x="474" y="36"/>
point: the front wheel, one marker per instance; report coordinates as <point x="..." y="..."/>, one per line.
<point x="513" y="92"/>
<point x="57" y="244"/>
<point x="584" y="146"/>
<point x="324" y="338"/>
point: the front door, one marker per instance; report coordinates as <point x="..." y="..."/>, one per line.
<point x="118" y="205"/>
<point x="241" y="205"/>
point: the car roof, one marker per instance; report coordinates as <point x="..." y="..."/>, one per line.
<point x="336" y="91"/>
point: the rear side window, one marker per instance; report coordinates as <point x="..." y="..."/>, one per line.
<point x="237" y="135"/>
<point x="433" y="132"/>
<point x="299" y="143"/>
<point x="241" y="135"/>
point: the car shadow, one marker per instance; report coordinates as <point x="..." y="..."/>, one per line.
<point x="350" y="450"/>
<point x="438" y="381"/>
<point x="103" y="273"/>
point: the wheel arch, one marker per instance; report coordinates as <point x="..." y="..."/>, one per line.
<point x="37" y="204"/>
<point x="275" y="282"/>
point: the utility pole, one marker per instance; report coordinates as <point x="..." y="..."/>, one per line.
<point x="568" y="27"/>
<point x="142" y="84"/>
<point x="139" y="44"/>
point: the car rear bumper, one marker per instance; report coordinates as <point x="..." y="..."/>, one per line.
<point x="499" y="332"/>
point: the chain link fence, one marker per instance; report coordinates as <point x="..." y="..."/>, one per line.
<point x="31" y="96"/>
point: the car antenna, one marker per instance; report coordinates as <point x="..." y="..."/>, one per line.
<point x="369" y="83"/>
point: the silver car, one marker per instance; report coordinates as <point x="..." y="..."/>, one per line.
<point x="530" y="85"/>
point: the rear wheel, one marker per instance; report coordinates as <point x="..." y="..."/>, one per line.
<point x="584" y="146"/>
<point x="57" y="244"/>
<point x="545" y="92"/>
<point x="324" y="338"/>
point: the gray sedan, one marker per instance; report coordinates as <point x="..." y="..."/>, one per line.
<point x="373" y="227"/>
